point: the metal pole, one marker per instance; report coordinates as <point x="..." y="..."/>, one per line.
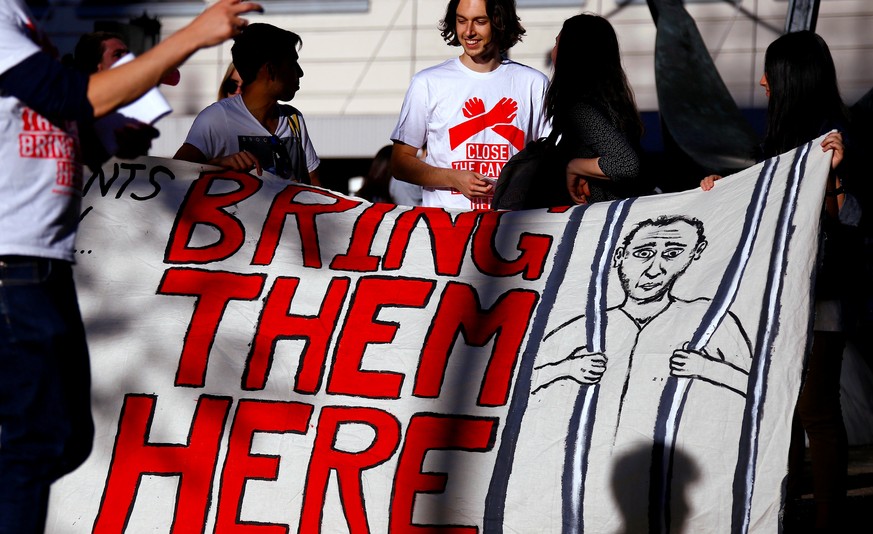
<point x="802" y="15"/>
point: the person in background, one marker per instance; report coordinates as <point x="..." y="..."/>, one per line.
<point x="98" y="51"/>
<point x="379" y="186"/>
<point x="474" y="112"/>
<point x="255" y="131"/>
<point x="591" y="105"/>
<point x="46" y="429"/>
<point x="804" y="103"/>
<point x="375" y="187"/>
<point x="231" y="84"/>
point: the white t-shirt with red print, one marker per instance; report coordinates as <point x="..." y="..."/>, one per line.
<point x="471" y="121"/>
<point x="41" y="178"/>
<point x="227" y="127"/>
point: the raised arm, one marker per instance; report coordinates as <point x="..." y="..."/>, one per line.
<point x="112" y="88"/>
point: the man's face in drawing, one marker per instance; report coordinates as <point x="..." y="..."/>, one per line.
<point x="655" y="257"/>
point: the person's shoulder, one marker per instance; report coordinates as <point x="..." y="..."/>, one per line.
<point x="287" y="110"/>
<point x="588" y="110"/>
<point x="690" y="306"/>
<point x="587" y="106"/>
<point x="520" y="69"/>
<point x="436" y="71"/>
<point x="215" y="109"/>
<point x="571" y="325"/>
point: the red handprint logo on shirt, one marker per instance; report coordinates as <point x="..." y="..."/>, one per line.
<point x="499" y="119"/>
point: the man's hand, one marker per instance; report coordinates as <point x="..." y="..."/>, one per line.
<point x="134" y="140"/>
<point x="709" y="182"/>
<point x="474" y="107"/>
<point x="577" y="185"/>
<point x="471" y="184"/>
<point x="504" y="112"/>
<point x="220" y="21"/>
<point x="834" y="141"/>
<point x="584" y="368"/>
<point x="698" y="364"/>
<point x="243" y="161"/>
<point x="688" y="363"/>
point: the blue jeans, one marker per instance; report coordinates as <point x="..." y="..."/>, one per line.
<point x="46" y="429"/>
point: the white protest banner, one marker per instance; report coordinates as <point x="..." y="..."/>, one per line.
<point x="271" y="357"/>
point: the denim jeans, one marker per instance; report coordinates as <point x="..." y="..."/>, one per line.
<point x="46" y="429"/>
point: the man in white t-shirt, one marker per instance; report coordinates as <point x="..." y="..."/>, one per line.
<point x="253" y="130"/>
<point x="474" y="112"/>
<point x="46" y="429"/>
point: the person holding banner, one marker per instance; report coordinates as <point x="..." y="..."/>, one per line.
<point x="473" y="112"/>
<point x="255" y="131"/>
<point x="596" y="115"/>
<point x="804" y="103"/>
<point x="46" y="428"/>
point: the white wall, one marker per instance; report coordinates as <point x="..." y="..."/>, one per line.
<point x="358" y="65"/>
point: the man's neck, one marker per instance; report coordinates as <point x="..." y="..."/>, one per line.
<point x="644" y="311"/>
<point x="482" y="64"/>
<point x="262" y="106"/>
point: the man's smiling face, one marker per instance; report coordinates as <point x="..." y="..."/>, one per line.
<point x="655" y="257"/>
<point x="474" y="30"/>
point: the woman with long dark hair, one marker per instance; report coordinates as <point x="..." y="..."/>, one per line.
<point x="592" y="107"/>
<point x="803" y="103"/>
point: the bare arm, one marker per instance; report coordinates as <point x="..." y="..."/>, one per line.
<point x="314" y="178"/>
<point x="834" y="198"/>
<point x="189" y="152"/>
<point x="582" y="367"/>
<point x="696" y="364"/>
<point x="112" y="88"/>
<point x="406" y="166"/>
<point x="241" y="161"/>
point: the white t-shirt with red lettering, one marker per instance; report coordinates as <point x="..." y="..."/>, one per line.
<point x="40" y="178"/>
<point x="471" y="121"/>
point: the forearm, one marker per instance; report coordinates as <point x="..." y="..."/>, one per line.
<point x="112" y="88"/>
<point x="834" y="197"/>
<point x="545" y="375"/>
<point x="411" y="169"/>
<point x="189" y="152"/>
<point x="722" y="373"/>
<point x="589" y="167"/>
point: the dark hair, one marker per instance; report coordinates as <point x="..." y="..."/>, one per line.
<point x="376" y="182"/>
<point x="588" y="69"/>
<point x="666" y="220"/>
<point x="804" y="94"/>
<point x="505" y="24"/>
<point x="89" y="50"/>
<point x="260" y="44"/>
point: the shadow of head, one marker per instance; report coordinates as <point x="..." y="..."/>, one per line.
<point x="630" y="482"/>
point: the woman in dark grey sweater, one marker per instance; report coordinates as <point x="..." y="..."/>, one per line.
<point x="591" y="106"/>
